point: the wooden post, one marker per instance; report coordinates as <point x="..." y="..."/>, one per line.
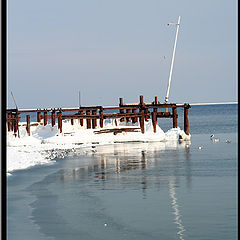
<point x="15" y="122"/>
<point x="186" y="122"/>
<point x="120" y="102"/>
<point x="53" y="118"/>
<point x="154" y="121"/>
<point x="141" y="120"/>
<point x="81" y="120"/>
<point x="174" y="112"/>
<point x="141" y="110"/>
<point x="134" y="119"/>
<point x="28" y="124"/>
<point x="9" y="122"/>
<point x="128" y="118"/>
<point x="145" y="113"/>
<point x="141" y="100"/>
<point x="154" y="115"/>
<point x="12" y="122"/>
<point x="88" y="119"/>
<point x="121" y="110"/>
<point x="101" y="118"/>
<point x="38" y="116"/>
<point x="60" y="121"/>
<point x="72" y="122"/>
<point x="94" y="120"/>
<point x="45" y="118"/>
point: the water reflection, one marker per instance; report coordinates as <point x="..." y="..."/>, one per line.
<point x="132" y="165"/>
<point x="120" y="167"/>
<point x="175" y="207"/>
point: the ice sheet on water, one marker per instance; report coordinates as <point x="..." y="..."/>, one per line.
<point x="46" y="143"/>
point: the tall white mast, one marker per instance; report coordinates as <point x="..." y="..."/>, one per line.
<point x="173" y="56"/>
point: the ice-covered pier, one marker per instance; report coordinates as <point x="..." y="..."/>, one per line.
<point x="93" y="117"/>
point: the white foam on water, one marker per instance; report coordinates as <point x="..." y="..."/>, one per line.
<point x="46" y="143"/>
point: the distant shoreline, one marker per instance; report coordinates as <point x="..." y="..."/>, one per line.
<point x="194" y="104"/>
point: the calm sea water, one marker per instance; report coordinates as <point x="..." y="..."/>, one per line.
<point x="132" y="191"/>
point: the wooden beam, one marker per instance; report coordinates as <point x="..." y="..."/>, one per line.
<point x="174" y="112"/>
<point x="186" y="121"/>
<point x="28" y="125"/>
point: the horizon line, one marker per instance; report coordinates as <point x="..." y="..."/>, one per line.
<point x="213" y="103"/>
<point x="193" y="104"/>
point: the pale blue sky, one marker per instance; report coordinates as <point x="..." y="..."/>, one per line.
<point x="115" y="48"/>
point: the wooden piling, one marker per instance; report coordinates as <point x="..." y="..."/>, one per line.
<point x="38" y="116"/>
<point x="53" y="118"/>
<point x="88" y="113"/>
<point x="121" y="110"/>
<point x="142" y="117"/>
<point x="45" y="118"/>
<point x="186" y="121"/>
<point x="101" y="118"/>
<point x="94" y="120"/>
<point x="81" y="120"/>
<point x="134" y="119"/>
<point x="15" y="124"/>
<point x="141" y="100"/>
<point x="174" y="112"/>
<point x="28" y="125"/>
<point x="60" y="121"/>
<point x="154" y="121"/>
<point x="9" y="122"/>
<point x="141" y="120"/>
<point x="146" y="114"/>
<point x="12" y="122"/>
<point x="128" y="118"/>
<point x="154" y="116"/>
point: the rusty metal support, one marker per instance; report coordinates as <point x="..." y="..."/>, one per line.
<point x="174" y="112"/>
<point x="94" y="121"/>
<point x="60" y="121"/>
<point x="134" y="119"/>
<point x="141" y="120"/>
<point x="154" y="115"/>
<point x="12" y="122"/>
<point x="128" y="118"/>
<point x="38" y="116"/>
<point x="121" y="110"/>
<point x="141" y="100"/>
<point x="45" y="118"/>
<point x="186" y="121"/>
<point x="154" y="121"/>
<point x="101" y="118"/>
<point x="88" y="113"/>
<point x="15" y="123"/>
<point x="28" y="125"/>
<point x="53" y="118"/>
<point x="146" y="113"/>
<point x="81" y="120"/>
<point x="9" y="122"/>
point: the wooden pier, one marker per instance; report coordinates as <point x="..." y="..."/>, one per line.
<point x="128" y="112"/>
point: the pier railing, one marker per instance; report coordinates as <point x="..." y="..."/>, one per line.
<point x="128" y="112"/>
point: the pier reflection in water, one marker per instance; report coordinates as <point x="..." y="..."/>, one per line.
<point x="104" y="172"/>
